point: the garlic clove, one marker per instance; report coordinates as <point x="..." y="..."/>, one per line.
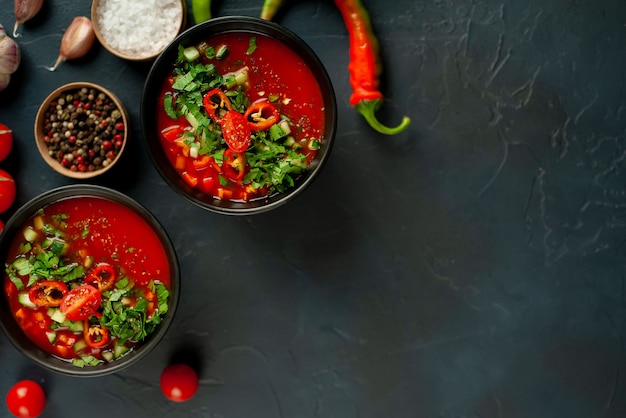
<point x="10" y="55"/>
<point x="24" y="11"/>
<point x="77" y="40"/>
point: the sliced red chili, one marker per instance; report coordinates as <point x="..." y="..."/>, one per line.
<point x="80" y="303"/>
<point x="96" y="335"/>
<point x="261" y="115"/>
<point x="47" y="293"/>
<point x="236" y="131"/>
<point x="215" y="102"/>
<point x="234" y="165"/>
<point x="102" y="277"/>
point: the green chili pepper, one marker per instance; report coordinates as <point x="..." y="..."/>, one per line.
<point x="201" y="10"/>
<point x="270" y="7"/>
<point x="365" y="66"/>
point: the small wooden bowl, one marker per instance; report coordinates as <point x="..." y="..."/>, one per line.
<point x="165" y="25"/>
<point x="41" y="132"/>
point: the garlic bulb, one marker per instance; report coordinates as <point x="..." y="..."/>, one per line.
<point x="10" y="58"/>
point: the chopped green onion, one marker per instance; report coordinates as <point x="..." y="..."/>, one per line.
<point x="251" y="45"/>
<point x="221" y="52"/>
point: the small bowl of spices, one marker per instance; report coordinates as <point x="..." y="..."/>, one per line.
<point x="137" y="30"/>
<point x="81" y="129"/>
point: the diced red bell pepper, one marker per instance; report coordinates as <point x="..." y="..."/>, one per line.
<point x="190" y="179"/>
<point x="172" y="132"/>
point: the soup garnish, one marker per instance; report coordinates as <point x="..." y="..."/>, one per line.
<point x="241" y="116"/>
<point x="87" y="280"/>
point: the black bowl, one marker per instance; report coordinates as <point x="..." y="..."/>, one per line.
<point x="163" y="66"/>
<point x="15" y="334"/>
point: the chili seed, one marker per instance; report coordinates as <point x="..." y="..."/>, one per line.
<point x="84" y="130"/>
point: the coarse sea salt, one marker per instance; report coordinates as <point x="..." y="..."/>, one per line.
<point x="139" y="28"/>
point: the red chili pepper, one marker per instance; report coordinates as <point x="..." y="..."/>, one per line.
<point x="216" y="101"/>
<point x="234" y="165"/>
<point x="365" y="67"/>
<point x="95" y="335"/>
<point x="102" y="277"/>
<point x="47" y="293"/>
<point x="261" y="115"/>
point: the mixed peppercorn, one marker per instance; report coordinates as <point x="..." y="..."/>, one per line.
<point x="84" y="130"/>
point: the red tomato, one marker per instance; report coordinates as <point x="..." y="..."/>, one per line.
<point x="7" y="191"/>
<point x="80" y="303"/>
<point x="26" y="399"/>
<point x="179" y="382"/>
<point x="236" y="131"/>
<point x="6" y="141"/>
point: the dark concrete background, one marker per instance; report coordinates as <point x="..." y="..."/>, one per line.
<point x="472" y="267"/>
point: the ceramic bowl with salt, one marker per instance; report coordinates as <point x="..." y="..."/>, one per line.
<point x="137" y="30"/>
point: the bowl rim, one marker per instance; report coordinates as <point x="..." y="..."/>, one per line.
<point x="18" y="338"/>
<point x="39" y="123"/>
<point x="119" y="54"/>
<point x="237" y="24"/>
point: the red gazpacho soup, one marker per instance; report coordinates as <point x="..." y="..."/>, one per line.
<point x="240" y="116"/>
<point x="87" y="279"/>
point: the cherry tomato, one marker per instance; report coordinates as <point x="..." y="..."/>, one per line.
<point x="80" y="303"/>
<point x="179" y="382"/>
<point x="236" y="131"/>
<point x="26" y="399"/>
<point x="6" y="141"/>
<point x="7" y="191"/>
<point x="47" y="293"/>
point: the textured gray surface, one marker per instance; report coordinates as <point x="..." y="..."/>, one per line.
<point x="472" y="267"/>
